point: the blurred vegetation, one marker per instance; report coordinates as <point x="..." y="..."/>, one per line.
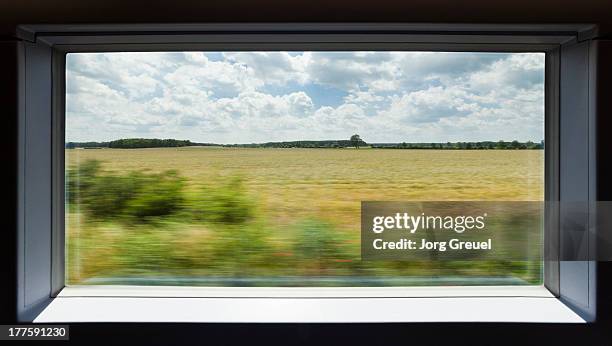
<point x="80" y="178"/>
<point x="144" y="224"/>
<point x="137" y="196"/>
<point x="319" y="249"/>
<point x="226" y="204"/>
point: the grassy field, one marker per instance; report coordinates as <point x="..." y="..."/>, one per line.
<point x="290" y="188"/>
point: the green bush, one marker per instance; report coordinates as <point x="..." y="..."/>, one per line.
<point x="141" y="196"/>
<point x="108" y="195"/>
<point x="80" y="178"/>
<point x="136" y="195"/>
<point x="242" y="250"/>
<point x="156" y="195"/>
<point x="319" y="248"/>
<point x="227" y="204"/>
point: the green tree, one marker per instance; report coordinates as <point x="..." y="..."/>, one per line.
<point x="356" y="140"/>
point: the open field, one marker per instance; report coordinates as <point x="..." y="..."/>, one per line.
<point x="288" y="188"/>
<point x="330" y="183"/>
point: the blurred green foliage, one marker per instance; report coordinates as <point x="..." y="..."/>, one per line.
<point x="154" y="195"/>
<point x="108" y="195"/>
<point x="227" y="204"/>
<point x="136" y="196"/>
<point x="143" y="224"/>
<point x="80" y="179"/>
<point x="321" y="248"/>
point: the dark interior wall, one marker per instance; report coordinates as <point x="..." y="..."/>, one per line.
<point x="8" y="176"/>
<point x="14" y="12"/>
<point x="603" y="106"/>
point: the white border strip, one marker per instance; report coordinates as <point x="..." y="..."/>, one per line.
<point x="315" y="310"/>
<point x="304" y="292"/>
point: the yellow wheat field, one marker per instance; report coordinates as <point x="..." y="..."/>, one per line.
<point x="330" y="183"/>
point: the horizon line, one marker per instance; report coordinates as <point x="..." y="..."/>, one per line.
<point x="301" y="140"/>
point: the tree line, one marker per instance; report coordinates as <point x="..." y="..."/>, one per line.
<point x="499" y="145"/>
<point x="136" y="143"/>
<point x="303" y="144"/>
<point x="353" y="142"/>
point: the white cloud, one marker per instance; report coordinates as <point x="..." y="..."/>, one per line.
<point x="270" y="96"/>
<point x="277" y="68"/>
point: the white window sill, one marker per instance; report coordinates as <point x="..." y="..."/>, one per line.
<point x="186" y="304"/>
<point x="304" y="292"/>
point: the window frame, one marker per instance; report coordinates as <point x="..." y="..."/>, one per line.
<point x="53" y="42"/>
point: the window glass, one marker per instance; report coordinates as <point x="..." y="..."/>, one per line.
<point x="249" y="168"/>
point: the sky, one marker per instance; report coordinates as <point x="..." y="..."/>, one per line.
<point x="255" y="97"/>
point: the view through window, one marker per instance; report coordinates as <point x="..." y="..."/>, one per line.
<point x="249" y="168"/>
